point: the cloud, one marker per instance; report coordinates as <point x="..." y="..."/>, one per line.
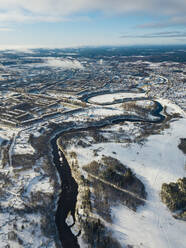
<point x="173" y="21"/>
<point x="5" y="29"/>
<point x="58" y="10"/>
<point x="21" y="17"/>
<point x="170" y="34"/>
<point x="64" y="64"/>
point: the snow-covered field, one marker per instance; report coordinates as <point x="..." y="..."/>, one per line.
<point x="101" y="99"/>
<point x="65" y="64"/>
<point x="171" y="108"/>
<point x="157" y="161"/>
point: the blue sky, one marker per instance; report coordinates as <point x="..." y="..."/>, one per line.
<point x="67" y="23"/>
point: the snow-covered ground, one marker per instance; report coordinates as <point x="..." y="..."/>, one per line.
<point x="171" y="108"/>
<point x="7" y="133"/>
<point x="157" y="161"/>
<point x="95" y="113"/>
<point x="101" y="99"/>
<point x="22" y="145"/>
<point x="64" y="64"/>
<point x="20" y="227"/>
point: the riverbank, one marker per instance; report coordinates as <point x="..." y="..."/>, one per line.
<point x="70" y="173"/>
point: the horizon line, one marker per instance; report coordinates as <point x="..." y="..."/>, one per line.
<point x="33" y="47"/>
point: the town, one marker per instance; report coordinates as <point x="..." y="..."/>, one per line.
<point x="92" y="145"/>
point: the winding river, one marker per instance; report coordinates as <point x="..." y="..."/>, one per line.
<point x="69" y="188"/>
<point x="67" y="199"/>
